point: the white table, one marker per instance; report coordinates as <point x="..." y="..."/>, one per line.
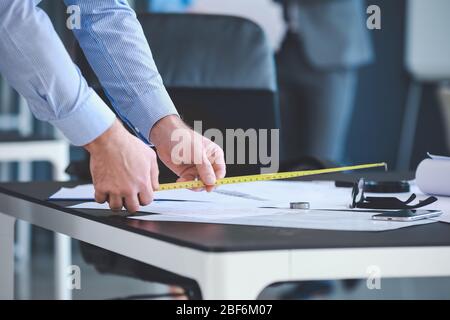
<point x="229" y="262"/>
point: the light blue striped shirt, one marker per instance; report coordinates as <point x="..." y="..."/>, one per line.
<point x="35" y="62"/>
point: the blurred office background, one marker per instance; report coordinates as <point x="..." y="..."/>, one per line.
<point x="374" y="134"/>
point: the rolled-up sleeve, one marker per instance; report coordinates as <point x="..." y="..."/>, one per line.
<point x="35" y="62"/>
<point x="117" y="50"/>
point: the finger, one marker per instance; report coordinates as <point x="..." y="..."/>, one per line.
<point x="100" y="197"/>
<point x="115" y="202"/>
<point x="145" y="197"/>
<point x="220" y="170"/>
<point x="206" y="172"/>
<point x="219" y="166"/>
<point x="154" y="174"/>
<point x="131" y="203"/>
<point x="217" y="159"/>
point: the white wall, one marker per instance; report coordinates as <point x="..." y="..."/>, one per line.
<point x="427" y="41"/>
<point x="264" y="12"/>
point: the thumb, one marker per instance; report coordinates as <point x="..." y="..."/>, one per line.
<point x="206" y="172"/>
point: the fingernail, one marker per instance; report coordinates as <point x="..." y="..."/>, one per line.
<point x="210" y="180"/>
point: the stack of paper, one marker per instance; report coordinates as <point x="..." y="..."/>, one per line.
<point x="262" y="204"/>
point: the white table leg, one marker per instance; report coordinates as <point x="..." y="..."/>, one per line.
<point x="23" y="243"/>
<point x="6" y="257"/>
<point x="232" y="276"/>
<point x="23" y="260"/>
<point x="63" y="259"/>
<point x="63" y="246"/>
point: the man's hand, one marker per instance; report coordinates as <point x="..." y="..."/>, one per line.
<point x="187" y="153"/>
<point x="124" y="170"/>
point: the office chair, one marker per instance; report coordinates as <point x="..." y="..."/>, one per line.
<point x="217" y="69"/>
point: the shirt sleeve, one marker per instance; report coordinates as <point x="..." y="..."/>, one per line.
<point x="117" y="50"/>
<point x="35" y="63"/>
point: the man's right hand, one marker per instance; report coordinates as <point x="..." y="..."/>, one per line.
<point x="124" y="170"/>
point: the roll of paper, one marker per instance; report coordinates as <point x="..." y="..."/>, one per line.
<point x="433" y="176"/>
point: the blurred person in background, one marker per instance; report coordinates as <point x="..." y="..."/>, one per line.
<point x="326" y="43"/>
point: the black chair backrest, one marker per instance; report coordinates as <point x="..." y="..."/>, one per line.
<point x="217" y="69"/>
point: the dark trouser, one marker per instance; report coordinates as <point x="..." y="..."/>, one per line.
<point x="316" y="105"/>
<point x="316" y="109"/>
<point x="108" y="262"/>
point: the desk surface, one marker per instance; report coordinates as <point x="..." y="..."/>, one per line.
<point x="228" y="238"/>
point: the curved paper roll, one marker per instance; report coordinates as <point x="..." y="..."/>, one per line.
<point x="433" y="177"/>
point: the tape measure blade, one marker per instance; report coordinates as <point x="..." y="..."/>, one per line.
<point x="267" y="176"/>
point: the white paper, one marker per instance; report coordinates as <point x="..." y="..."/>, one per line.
<point x="283" y="218"/>
<point x="84" y="191"/>
<point x="303" y="219"/>
<point x="445" y="217"/>
<point x="243" y="202"/>
<point x="319" y="194"/>
<point x="195" y="210"/>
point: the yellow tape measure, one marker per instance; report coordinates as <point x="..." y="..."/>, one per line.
<point x="266" y="177"/>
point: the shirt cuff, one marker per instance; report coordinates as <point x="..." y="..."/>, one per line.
<point x="149" y="109"/>
<point x="87" y="122"/>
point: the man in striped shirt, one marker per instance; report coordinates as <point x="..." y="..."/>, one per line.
<point x="124" y="168"/>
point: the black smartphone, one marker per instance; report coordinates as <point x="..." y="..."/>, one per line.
<point x="407" y="215"/>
